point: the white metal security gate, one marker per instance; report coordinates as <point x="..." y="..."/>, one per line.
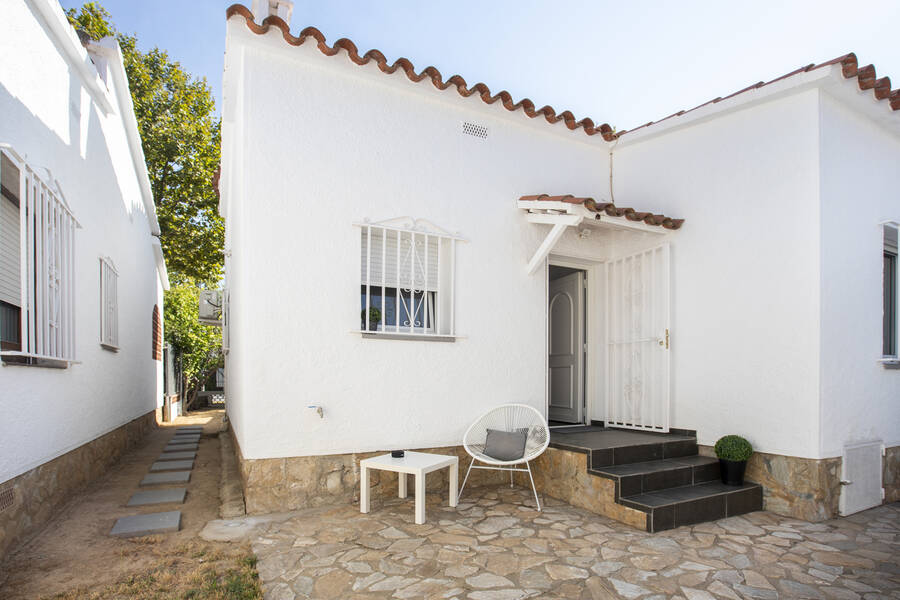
<point x="637" y="304"/>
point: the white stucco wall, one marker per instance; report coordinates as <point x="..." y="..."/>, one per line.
<point x="50" y="119"/>
<point x="326" y="144"/>
<point x="860" y="188"/>
<point x="312" y="144"/>
<point x="745" y="268"/>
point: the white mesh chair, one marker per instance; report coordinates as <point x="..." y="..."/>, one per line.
<point x="509" y="417"/>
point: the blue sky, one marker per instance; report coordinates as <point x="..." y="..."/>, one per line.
<point x="624" y="63"/>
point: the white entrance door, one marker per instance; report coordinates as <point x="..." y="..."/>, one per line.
<point x="566" y="341"/>
<point x="638" y="330"/>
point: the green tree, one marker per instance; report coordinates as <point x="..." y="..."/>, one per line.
<point x="199" y="346"/>
<point x="180" y="138"/>
<point x="176" y="116"/>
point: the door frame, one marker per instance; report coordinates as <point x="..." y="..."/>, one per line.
<point x="594" y="324"/>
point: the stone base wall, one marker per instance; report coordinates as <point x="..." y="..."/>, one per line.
<point x="807" y="488"/>
<point x="36" y="494"/>
<point x="891" y="476"/>
<point x="283" y="484"/>
<point x="803" y="488"/>
<point x="563" y="475"/>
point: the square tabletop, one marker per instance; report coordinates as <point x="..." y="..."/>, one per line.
<point x="412" y="462"/>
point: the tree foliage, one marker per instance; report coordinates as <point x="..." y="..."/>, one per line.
<point x="180" y="137"/>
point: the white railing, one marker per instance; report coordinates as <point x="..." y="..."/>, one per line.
<point x="407" y="272"/>
<point x="46" y="252"/>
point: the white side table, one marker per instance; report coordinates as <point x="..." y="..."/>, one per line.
<point x="413" y="463"/>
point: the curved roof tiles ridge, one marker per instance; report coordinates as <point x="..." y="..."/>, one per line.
<point x="865" y="76"/>
<point x="482" y="90"/>
<point x="610" y="209"/>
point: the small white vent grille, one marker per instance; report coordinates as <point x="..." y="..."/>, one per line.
<point x="475" y="130"/>
<point x="7" y="498"/>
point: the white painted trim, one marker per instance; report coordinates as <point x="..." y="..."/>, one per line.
<point x="550" y="241"/>
<point x="50" y="12"/>
<point x="160" y="263"/>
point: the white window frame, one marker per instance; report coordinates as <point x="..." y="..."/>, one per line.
<point x="47" y="255"/>
<point x="892" y="360"/>
<point x="422" y="261"/>
<point x="109" y="304"/>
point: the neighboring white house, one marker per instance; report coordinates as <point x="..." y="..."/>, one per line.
<point x="757" y="294"/>
<point x="81" y="268"/>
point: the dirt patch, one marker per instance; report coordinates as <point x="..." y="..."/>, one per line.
<point x="73" y="556"/>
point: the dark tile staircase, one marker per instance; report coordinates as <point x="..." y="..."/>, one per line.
<point x="660" y="474"/>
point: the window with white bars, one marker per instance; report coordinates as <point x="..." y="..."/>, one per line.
<point x="407" y="279"/>
<point x="36" y="266"/>
<point x="109" y="305"/>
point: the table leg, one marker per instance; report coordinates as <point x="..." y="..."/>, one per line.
<point x="454" y="483"/>
<point x="363" y="489"/>
<point x="420" y="498"/>
<point x="402" y="479"/>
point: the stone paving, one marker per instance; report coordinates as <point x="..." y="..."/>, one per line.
<point x="495" y="546"/>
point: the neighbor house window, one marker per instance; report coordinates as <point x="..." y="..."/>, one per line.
<point x="109" y="305"/>
<point x="407" y="279"/>
<point x="37" y="302"/>
<point x="889" y="324"/>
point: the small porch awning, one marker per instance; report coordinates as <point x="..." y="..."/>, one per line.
<point x="571" y="211"/>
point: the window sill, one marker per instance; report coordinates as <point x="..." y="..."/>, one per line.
<point x="399" y="335"/>
<point x="21" y="359"/>
<point x="109" y="347"/>
<point x="890" y="362"/>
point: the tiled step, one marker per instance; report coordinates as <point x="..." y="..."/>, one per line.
<point x="655" y="475"/>
<point x="687" y="505"/>
<point x="644" y="452"/>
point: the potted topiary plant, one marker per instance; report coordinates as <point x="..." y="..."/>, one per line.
<point x="374" y="318"/>
<point x="733" y="452"/>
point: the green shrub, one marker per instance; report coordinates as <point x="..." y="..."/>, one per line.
<point x="374" y="315"/>
<point x="733" y="447"/>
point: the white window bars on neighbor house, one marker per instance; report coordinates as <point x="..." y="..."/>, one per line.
<point x="109" y="305"/>
<point x="46" y="268"/>
<point x="407" y="279"/>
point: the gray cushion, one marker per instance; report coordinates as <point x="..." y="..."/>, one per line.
<point x="505" y="445"/>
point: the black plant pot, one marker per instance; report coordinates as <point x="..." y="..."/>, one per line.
<point x="732" y="471"/>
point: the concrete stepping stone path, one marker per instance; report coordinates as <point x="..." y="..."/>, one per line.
<point x="138" y="525"/>
<point x="188" y="436"/>
<point x="180" y="447"/>
<point x="169" y="496"/>
<point x="186" y="455"/>
<point x="172" y="465"/>
<point x="167" y="477"/>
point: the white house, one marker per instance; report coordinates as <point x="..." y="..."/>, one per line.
<point x="81" y="268"/>
<point x="750" y="290"/>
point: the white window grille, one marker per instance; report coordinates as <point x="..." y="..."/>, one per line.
<point x="46" y="289"/>
<point x="407" y="279"/>
<point x="109" y="305"/>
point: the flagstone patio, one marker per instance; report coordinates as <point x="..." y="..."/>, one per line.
<point x="494" y="546"/>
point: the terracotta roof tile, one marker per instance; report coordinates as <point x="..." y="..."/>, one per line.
<point x="482" y="90"/>
<point x="865" y="76"/>
<point x="611" y="209"/>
